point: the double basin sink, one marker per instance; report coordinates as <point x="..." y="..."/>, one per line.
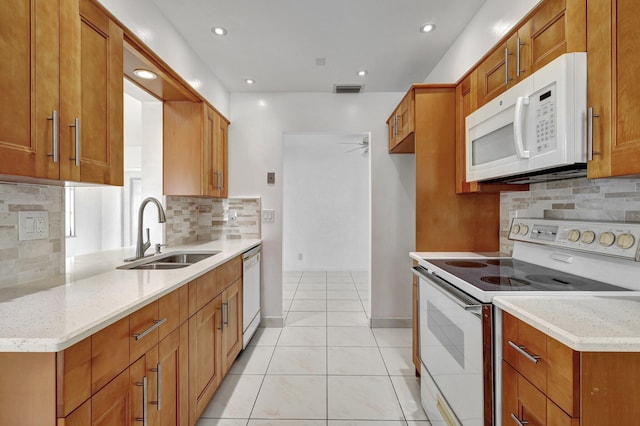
<point x="174" y="260"/>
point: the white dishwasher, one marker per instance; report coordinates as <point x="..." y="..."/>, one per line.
<point x="250" y="293"/>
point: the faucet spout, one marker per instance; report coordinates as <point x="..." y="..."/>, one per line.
<point x="141" y="245"/>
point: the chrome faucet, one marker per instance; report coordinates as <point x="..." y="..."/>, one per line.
<point x="141" y="247"/>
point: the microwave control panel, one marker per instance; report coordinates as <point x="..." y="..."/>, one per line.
<point x="545" y="110"/>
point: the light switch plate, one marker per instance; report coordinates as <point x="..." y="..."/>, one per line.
<point x="271" y="178"/>
<point x="33" y="225"/>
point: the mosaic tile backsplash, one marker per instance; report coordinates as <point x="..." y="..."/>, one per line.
<point x="24" y="261"/>
<point x="616" y="200"/>
<point x="191" y="219"/>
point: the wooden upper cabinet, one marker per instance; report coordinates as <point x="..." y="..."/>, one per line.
<point x="92" y="95"/>
<point x="195" y="150"/>
<point x="555" y="27"/>
<point x="29" y="45"/>
<point x="62" y="92"/>
<point x="613" y="66"/>
<point x="215" y="154"/>
<point x="402" y="125"/>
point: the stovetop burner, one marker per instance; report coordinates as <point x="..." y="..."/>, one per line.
<point x="508" y="274"/>
<point x="505" y="281"/>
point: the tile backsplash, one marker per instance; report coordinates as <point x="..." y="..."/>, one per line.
<point x="191" y="219"/>
<point x="616" y="200"/>
<point x="24" y="261"/>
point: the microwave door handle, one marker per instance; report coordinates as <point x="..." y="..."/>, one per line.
<point x="518" y="127"/>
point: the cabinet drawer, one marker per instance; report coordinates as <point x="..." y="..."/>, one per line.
<point x="174" y="308"/>
<point x="227" y="273"/>
<point x="557" y="417"/>
<point x="529" y="341"/>
<point x="143" y="330"/>
<point x="202" y="291"/>
<point x="109" y="353"/>
<point x="557" y="370"/>
<point x="521" y="399"/>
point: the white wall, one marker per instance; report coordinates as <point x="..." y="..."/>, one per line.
<point x="326" y="203"/>
<point x="494" y="19"/>
<point x="146" y="21"/>
<point x="259" y="122"/>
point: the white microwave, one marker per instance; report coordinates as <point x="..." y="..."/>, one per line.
<point x="538" y="126"/>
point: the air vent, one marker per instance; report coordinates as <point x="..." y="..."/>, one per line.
<point x="348" y="88"/>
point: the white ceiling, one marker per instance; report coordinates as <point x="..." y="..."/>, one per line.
<point x="277" y="42"/>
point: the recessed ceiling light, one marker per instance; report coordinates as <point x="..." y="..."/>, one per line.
<point x="146" y="74"/>
<point x="362" y="73"/>
<point x="219" y="31"/>
<point x="249" y="80"/>
<point x="427" y="28"/>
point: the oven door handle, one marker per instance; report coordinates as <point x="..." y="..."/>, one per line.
<point x="457" y="296"/>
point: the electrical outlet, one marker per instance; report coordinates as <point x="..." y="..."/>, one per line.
<point x="233" y="216"/>
<point x="271" y="178"/>
<point x="268" y="215"/>
<point x="33" y="225"/>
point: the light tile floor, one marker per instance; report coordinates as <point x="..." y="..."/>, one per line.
<point x="326" y="367"/>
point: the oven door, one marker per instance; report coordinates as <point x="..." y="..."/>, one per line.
<point x="455" y="349"/>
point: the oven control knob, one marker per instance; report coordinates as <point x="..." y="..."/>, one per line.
<point x="524" y="229"/>
<point x="606" y="239"/>
<point x="626" y="241"/>
<point x="515" y="229"/>
<point x="574" y="235"/>
<point x="588" y="237"/>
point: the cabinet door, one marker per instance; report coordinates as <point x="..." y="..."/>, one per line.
<point x="173" y="389"/>
<point x="205" y="370"/>
<point x="613" y="92"/>
<point x="111" y="406"/>
<point x="143" y="385"/>
<point x="493" y="74"/>
<point x="521" y="399"/>
<point x="92" y="95"/>
<point x="556" y="27"/>
<point x="215" y="154"/>
<point x="232" y="324"/>
<point x="29" y="45"/>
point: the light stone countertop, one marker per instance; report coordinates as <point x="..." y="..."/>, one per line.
<point x="51" y="315"/>
<point x="583" y="323"/>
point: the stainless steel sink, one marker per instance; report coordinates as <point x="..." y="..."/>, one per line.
<point x="174" y="260"/>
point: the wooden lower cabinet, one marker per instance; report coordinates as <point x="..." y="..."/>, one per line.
<point x="232" y="320"/>
<point x="205" y="356"/>
<point x="521" y="399"/>
<point x="173" y="394"/>
<point x="111" y="406"/>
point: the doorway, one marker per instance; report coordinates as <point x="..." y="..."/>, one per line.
<point x="326" y="222"/>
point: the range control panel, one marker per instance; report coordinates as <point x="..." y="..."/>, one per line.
<point x="607" y="238"/>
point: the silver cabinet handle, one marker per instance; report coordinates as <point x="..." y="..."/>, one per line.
<point x="76" y="124"/>
<point x="143" y="383"/>
<point x="226" y="315"/>
<point x="522" y="351"/>
<point x="156" y="324"/>
<point x="54" y="138"/>
<point x="221" y="318"/>
<point x="518" y="70"/>
<point x="590" y="117"/>
<point x="518" y="421"/>
<point x="221" y="180"/>
<point x="506" y="66"/>
<point x="158" y="371"/>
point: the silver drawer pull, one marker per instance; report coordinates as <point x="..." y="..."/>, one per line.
<point x="522" y="350"/>
<point x="158" y="371"/>
<point x="518" y="421"/>
<point x="156" y="324"/>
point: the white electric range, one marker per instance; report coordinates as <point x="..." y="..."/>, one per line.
<point x="460" y="331"/>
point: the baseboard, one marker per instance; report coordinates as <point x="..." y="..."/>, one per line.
<point x="277" y="322"/>
<point x="390" y="322"/>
